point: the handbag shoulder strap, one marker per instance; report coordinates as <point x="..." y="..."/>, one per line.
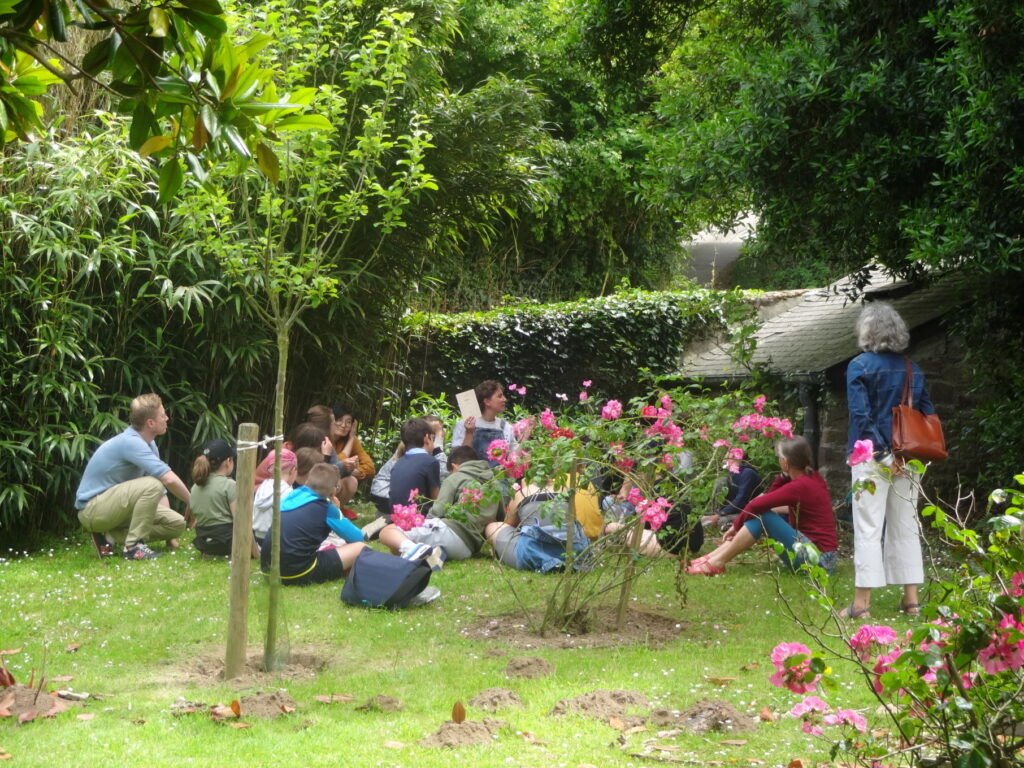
<point x="908" y="391"/>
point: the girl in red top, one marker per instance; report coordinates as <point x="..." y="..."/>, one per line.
<point x="801" y="492"/>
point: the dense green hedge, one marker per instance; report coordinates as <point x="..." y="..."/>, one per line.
<point x="616" y="341"/>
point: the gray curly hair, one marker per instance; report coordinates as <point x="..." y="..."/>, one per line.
<point x="881" y="329"/>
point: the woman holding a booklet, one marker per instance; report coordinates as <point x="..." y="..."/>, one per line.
<point x="480" y="424"/>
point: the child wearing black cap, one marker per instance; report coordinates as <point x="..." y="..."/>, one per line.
<point x="213" y="498"/>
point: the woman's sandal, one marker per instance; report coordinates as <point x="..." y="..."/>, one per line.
<point x="849" y="612"/>
<point x="704" y="568"/>
<point x="911" y="609"/>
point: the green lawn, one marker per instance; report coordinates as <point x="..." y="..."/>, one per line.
<point x="145" y="628"/>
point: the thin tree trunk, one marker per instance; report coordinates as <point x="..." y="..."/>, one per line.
<point x="274" y="599"/>
<point x="241" y="545"/>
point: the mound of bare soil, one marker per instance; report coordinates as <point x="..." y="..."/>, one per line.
<point x="267" y="704"/>
<point x="714" y="715"/>
<point x="640" y="628"/>
<point x="381" y="703"/>
<point x="602" y="704"/>
<point x="529" y="667"/>
<point x="204" y="671"/>
<point x="493" y="699"/>
<point x="24" y="704"/>
<point x="462" y="734"/>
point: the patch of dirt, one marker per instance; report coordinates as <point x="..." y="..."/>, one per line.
<point x="529" y="667"/>
<point x="495" y="653"/>
<point x="269" y="704"/>
<point x="641" y="628"/>
<point x="714" y="715"/>
<point x="602" y="704"/>
<point x="207" y="671"/>
<point x="381" y="703"/>
<point x="493" y="699"/>
<point x="462" y="734"/>
<point x="20" y="700"/>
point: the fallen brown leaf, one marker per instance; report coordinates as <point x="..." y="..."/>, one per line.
<point x="635" y="729"/>
<point x="73" y="647"/>
<point x="458" y="713"/>
<point x="720" y="680"/>
<point x="237" y="724"/>
<point x="617" y="723"/>
<point x="286" y="709"/>
<point x="236" y="707"/>
<point x="734" y="742"/>
<point x="394" y="745"/>
<point x="220" y="712"/>
<point x="797" y="763"/>
<point x="529" y="737"/>
<point x="58" y="705"/>
<point x="6" y="678"/>
<point x="751" y="666"/>
<point x="62" y="679"/>
<point x="86" y="716"/>
<point x="10" y="651"/>
<point x="27" y="717"/>
<point x="5" y="703"/>
<point x="767" y="715"/>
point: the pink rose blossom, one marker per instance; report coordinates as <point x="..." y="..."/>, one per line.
<point x="666" y="402"/>
<point x="406" y="516"/>
<point x="413" y="494"/>
<point x="809" y="704"/>
<point x="759" y="403"/>
<point x="521" y="390"/>
<point x="584" y="396"/>
<point x="736" y="453"/>
<point x="1006" y="649"/>
<point x="497" y="450"/>
<point x="883" y="664"/>
<point x="547" y="420"/>
<point x="811" y="728"/>
<point x="634" y="497"/>
<point x="587" y="383"/>
<point x="626" y="464"/>
<point x="1018" y="584"/>
<point x="793" y="668"/>
<point x="863" y="450"/>
<point x="732" y="465"/>
<point x="654" y="513"/>
<point x="721" y="444"/>
<point x="743" y="439"/>
<point x="667" y="460"/>
<point x="847" y="717"/>
<point x="612" y="410"/>
<point x="649" y="412"/>
<point x="870" y="638"/>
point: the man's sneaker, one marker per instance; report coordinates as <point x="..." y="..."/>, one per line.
<point x="428" y="595"/>
<point x="140" y="552"/>
<point x="104" y="548"/>
<point x="416" y="551"/>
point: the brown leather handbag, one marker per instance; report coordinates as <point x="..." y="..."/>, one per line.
<point x="915" y="435"/>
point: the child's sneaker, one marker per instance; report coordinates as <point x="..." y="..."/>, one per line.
<point x="428" y="595"/>
<point x="372" y="529"/>
<point x="104" y="548"/>
<point x="140" y="552"/>
<point x="416" y="551"/>
<point x="436" y="558"/>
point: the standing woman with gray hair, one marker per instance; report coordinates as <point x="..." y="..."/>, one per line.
<point x="874" y="386"/>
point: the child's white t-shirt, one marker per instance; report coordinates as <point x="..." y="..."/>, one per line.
<point x="263" y="506"/>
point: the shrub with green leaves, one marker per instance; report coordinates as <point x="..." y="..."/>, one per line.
<point x="619" y="341"/>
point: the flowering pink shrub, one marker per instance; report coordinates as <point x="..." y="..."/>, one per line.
<point x="847" y="717"/>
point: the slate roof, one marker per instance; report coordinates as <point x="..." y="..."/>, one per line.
<point x="817" y="332"/>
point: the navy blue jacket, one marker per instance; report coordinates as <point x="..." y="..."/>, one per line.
<point x="874" y="386"/>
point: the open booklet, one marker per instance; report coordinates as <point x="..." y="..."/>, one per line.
<point x="468" y="405"/>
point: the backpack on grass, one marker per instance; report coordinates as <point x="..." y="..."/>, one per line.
<point x="380" y="580"/>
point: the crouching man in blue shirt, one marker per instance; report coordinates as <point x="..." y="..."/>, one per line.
<point x="123" y="493"/>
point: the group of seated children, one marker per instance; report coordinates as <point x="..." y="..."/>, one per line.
<point x="464" y="507"/>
